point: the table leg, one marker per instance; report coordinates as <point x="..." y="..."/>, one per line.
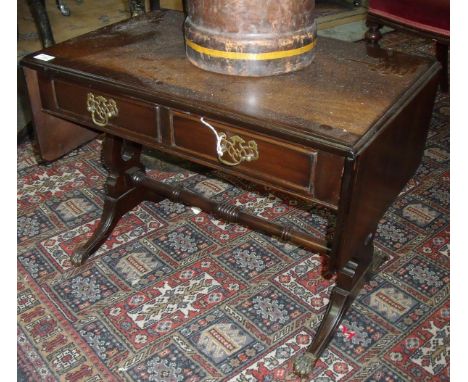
<point x="371" y="182"/>
<point x="352" y="255"/>
<point x="121" y="194"/>
<point x="443" y="56"/>
<point x="373" y="34"/>
<point x="348" y="284"/>
<point x="127" y="186"/>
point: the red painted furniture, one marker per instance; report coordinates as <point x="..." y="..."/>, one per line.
<point x="428" y="18"/>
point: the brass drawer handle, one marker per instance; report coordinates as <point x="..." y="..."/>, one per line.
<point x="101" y="109"/>
<point x="233" y="150"/>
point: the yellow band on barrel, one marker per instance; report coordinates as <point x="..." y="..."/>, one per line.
<point x="251" y="56"/>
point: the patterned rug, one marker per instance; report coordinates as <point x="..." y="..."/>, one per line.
<point x="176" y="295"/>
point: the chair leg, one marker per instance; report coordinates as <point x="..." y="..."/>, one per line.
<point x="137" y="7"/>
<point x="373" y="34"/>
<point x="41" y="19"/>
<point x="155" y="5"/>
<point x="63" y="8"/>
<point x="442" y="56"/>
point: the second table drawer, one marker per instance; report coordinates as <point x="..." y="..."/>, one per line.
<point x="245" y="152"/>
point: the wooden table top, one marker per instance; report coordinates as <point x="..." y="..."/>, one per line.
<point x="343" y="95"/>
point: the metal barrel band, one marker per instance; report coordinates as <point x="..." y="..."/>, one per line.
<point x="251" y="56"/>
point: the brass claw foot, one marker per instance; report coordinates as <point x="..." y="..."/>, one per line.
<point x="304" y="364"/>
<point x="78" y="257"/>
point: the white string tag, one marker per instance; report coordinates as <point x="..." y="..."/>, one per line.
<point x="219" y="148"/>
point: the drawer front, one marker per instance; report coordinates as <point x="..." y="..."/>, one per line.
<point x="289" y="167"/>
<point x="100" y="109"/>
<point x="245" y="153"/>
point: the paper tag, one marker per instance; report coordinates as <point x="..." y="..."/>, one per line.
<point x="43" y="57"/>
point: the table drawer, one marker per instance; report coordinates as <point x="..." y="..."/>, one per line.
<point x="100" y="109"/>
<point x="247" y="154"/>
<point x="295" y="169"/>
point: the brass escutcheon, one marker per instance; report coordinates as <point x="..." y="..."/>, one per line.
<point x="101" y="109"/>
<point x="236" y="150"/>
<point x="233" y="150"/>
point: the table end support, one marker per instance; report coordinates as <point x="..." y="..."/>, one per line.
<point x="348" y="284"/>
<point x="121" y="195"/>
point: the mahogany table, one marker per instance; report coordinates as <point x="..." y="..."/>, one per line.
<point x="346" y="133"/>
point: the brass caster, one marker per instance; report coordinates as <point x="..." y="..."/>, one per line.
<point x="78" y="258"/>
<point x="304" y="364"/>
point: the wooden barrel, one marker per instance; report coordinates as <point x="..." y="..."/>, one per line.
<point x="250" y="37"/>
